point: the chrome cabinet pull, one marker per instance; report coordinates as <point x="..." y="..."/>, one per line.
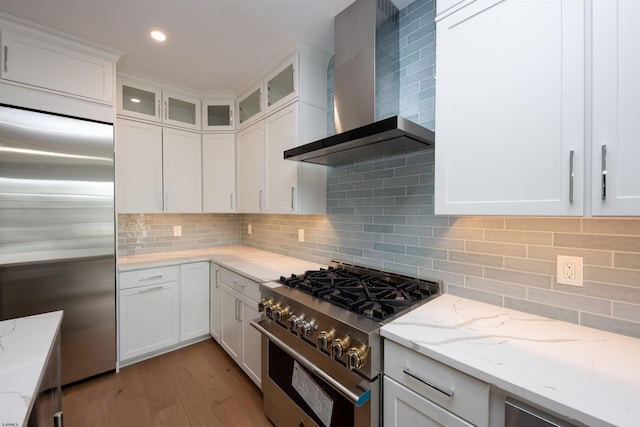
<point x="231" y="200"/>
<point x="216" y="278"/>
<point x="154" y="289"/>
<point x="158" y="108"/>
<point x="260" y="200"/>
<point x="239" y="284"/>
<point x="6" y="59"/>
<point x="144" y="278"/>
<point x="446" y="392"/>
<point x="604" y="172"/>
<point x="230" y="117"/>
<point x="166" y="110"/>
<point x="293" y="189"/>
<point x="571" y="155"/>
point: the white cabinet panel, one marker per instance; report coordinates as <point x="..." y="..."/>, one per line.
<point x="250" y="168"/>
<point x="215" y="303"/>
<point x="218" y="172"/>
<point x="182" y="170"/>
<point x="194" y="300"/>
<point x="281" y="133"/>
<point x="251" y="342"/>
<point x="149" y="319"/>
<point x="510" y="109"/>
<point x="138" y="167"/>
<point x="231" y="331"/>
<point x="616" y="108"/>
<point x="49" y="64"/>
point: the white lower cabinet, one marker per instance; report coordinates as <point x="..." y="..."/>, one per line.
<point x="215" y="304"/>
<point x="403" y="407"/>
<point x="194" y="300"/>
<point x="149" y="311"/>
<point x="419" y="388"/>
<point x="238" y="306"/>
<point x="161" y="308"/>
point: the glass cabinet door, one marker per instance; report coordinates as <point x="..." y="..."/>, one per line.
<point x="139" y="101"/>
<point x="217" y="114"/>
<point x="250" y="105"/>
<point x="181" y="110"/>
<point x="280" y="86"/>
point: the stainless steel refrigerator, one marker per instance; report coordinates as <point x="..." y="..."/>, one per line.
<point x="57" y="233"/>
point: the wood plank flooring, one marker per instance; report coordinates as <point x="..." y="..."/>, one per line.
<point x="198" y="385"/>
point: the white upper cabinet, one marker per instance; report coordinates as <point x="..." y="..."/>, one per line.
<point x="510" y="109"/>
<point x="282" y="84"/>
<point x="48" y="62"/>
<point x="147" y="101"/>
<point x="250" y="168"/>
<point x="616" y="108"/>
<point x="218" y="114"/>
<point x="218" y="172"/>
<point x="182" y="171"/>
<point x="157" y="169"/>
<point x="250" y="105"/>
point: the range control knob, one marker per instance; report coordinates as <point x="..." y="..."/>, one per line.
<point x="356" y="357"/>
<point x="307" y="327"/>
<point x="339" y="347"/>
<point x="294" y="321"/>
<point x="270" y="308"/>
<point x="324" y="338"/>
<point x="262" y="305"/>
<point x="281" y="314"/>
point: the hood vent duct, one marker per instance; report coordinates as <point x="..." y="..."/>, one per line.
<point x="366" y="86"/>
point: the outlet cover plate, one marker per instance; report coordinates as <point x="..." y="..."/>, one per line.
<point x="569" y="270"/>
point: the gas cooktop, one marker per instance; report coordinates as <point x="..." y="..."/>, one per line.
<point x="371" y="293"/>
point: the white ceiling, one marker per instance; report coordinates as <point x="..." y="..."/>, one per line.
<point x="212" y="45"/>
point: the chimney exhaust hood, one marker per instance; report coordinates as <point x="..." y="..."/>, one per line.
<point x="366" y="83"/>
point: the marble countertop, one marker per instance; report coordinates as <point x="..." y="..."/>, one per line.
<point x="257" y="264"/>
<point x="25" y="345"/>
<point x="586" y="374"/>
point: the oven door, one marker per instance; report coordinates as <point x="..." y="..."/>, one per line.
<point x="298" y="392"/>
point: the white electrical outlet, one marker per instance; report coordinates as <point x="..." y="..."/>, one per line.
<point x="177" y="230"/>
<point x="301" y="235"/>
<point x="569" y="270"/>
<point x="249" y="229"/>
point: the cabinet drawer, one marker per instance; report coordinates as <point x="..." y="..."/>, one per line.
<point x="240" y="283"/>
<point x="148" y="276"/>
<point x="461" y="394"/>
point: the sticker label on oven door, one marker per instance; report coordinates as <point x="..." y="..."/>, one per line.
<point x="316" y="398"/>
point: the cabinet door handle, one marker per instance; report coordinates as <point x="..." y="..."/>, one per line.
<point x="230" y="117"/>
<point x="216" y="278"/>
<point x="604" y="172"/>
<point x="6" y="59"/>
<point x="166" y="110"/>
<point x="231" y="197"/>
<point x="154" y="289"/>
<point x="571" y="156"/>
<point x="293" y="189"/>
<point x="144" y="278"/>
<point x="446" y="392"/>
<point x="158" y="108"/>
<point x="260" y="200"/>
<point x="239" y="284"/>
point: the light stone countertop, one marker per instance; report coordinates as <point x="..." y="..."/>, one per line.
<point x="257" y="264"/>
<point x="25" y="345"/>
<point x="586" y="374"/>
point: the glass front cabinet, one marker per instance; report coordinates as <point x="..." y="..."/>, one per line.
<point x="141" y="100"/>
<point x="218" y="114"/>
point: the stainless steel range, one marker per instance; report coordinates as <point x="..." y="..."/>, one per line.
<point x="322" y="350"/>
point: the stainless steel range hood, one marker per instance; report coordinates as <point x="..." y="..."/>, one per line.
<point x="366" y="85"/>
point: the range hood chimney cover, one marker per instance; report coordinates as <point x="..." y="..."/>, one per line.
<point x="359" y="92"/>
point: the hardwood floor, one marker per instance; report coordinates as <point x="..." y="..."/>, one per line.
<point x="195" y="386"/>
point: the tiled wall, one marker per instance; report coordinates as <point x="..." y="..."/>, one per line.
<point x="381" y="215"/>
<point x="142" y="234"/>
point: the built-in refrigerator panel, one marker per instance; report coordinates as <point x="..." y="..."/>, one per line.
<point x="57" y="233"/>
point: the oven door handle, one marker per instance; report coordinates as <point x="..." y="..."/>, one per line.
<point x="358" y="397"/>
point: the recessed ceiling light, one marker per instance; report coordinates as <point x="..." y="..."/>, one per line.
<point x="158" y="35"/>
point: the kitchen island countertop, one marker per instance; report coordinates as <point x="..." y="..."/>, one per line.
<point x="25" y="346"/>
<point x="257" y="264"/>
<point x="586" y="374"/>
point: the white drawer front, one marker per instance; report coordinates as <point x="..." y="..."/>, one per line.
<point x="459" y="393"/>
<point x="148" y="276"/>
<point x="240" y="283"/>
